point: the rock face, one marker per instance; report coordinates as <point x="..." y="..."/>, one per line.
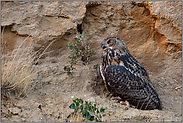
<point x="151" y="30"/>
<point x="43" y="21"/>
<point x="147" y="33"/>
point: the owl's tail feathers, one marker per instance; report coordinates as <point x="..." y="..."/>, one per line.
<point x="159" y="105"/>
<point x="157" y="101"/>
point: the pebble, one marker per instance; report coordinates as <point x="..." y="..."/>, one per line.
<point x="75" y="74"/>
<point x="179" y="87"/>
<point x="72" y="97"/>
<point x="127" y="117"/>
<point x="91" y="99"/>
<point x="23" y="119"/>
<point x="15" y="110"/>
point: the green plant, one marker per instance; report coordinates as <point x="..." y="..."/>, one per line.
<point x="9" y="115"/>
<point x="78" y="50"/>
<point x="88" y="109"/>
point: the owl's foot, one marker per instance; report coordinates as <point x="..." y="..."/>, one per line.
<point x="115" y="98"/>
<point x="121" y="102"/>
<point x="125" y="103"/>
<point x="110" y="96"/>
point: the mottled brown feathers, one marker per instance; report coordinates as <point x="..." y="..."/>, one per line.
<point x="126" y="77"/>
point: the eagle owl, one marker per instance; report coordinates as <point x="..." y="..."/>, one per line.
<point x="124" y="76"/>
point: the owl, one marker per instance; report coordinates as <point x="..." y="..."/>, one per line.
<point x="124" y="76"/>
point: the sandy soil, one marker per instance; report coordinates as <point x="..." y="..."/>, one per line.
<point x="50" y="96"/>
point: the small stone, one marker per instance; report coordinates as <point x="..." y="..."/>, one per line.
<point x="25" y="113"/>
<point x="127" y="117"/>
<point x="23" y="119"/>
<point x="15" y="110"/>
<point x="92" y="99"/>
<point x="37" y="104"/>
<point x="76" y="74"/>
<point x="177" y="88"/>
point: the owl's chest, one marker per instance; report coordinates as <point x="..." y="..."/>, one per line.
<point x="111" y="58"/>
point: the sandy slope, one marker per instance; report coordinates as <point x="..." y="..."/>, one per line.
<point x="50" y="102"/>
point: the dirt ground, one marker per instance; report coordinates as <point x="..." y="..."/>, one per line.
<point x="49" y="99"/>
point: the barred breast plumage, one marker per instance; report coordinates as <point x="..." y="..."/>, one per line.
<point x="126" y="77"/>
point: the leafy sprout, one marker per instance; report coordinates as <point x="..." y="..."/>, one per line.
<point x="78" y="51"/>
<point x="88" y="109"/>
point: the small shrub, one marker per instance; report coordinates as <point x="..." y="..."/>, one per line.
<point x="78" y="51"/>
<point x="88" y="109"/>
<point x="9" y="115"/>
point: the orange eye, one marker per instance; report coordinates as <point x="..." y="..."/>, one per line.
<point x="110" y="42"/>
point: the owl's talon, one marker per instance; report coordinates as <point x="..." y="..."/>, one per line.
<point x="115" y="98"/>
<point x="116" y="101"/>
<point x="110" y="96"/>
<point x="125" y="103"/>
<point x="127" y="107"/>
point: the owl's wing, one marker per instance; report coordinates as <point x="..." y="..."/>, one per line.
<point x="137" y="91"/>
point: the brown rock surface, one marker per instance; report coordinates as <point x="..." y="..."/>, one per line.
<point x="151" y="30"/>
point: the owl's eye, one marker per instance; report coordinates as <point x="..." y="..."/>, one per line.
<point x="110" y="42"/>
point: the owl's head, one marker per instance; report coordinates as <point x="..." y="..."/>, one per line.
<point x="113" y="43"/>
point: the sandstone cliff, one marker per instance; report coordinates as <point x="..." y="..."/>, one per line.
<point x="151" y="30"/>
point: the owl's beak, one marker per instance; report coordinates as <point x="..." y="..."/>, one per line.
<point x="103" y="47"/>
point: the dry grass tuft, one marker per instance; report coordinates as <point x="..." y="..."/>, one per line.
<point x="18" y="72"/>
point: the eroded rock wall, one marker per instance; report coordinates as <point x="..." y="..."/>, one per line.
<point x="151" y="30"/>
<point x="151" y="33"/>
<point x="42" y="21"/>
